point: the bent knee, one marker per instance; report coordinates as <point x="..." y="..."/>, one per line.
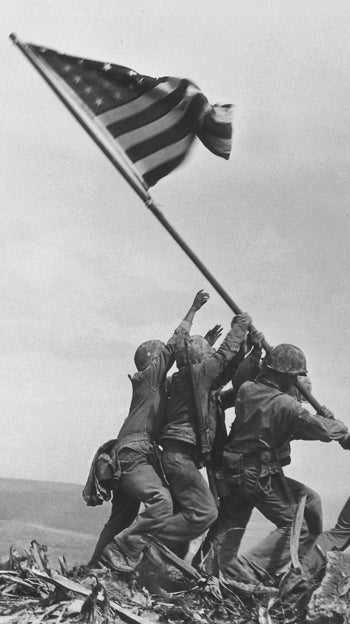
<point x="201" y="521"/>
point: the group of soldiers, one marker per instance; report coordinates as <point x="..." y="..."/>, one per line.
<point x="176" y="425"/>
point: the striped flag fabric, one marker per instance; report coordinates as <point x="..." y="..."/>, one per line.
<point x="154" y="121"/>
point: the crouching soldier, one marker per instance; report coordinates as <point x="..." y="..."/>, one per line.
<point x="195" y="506"/>
<point x="140" y="479"/>
<point x="266" y="419"/>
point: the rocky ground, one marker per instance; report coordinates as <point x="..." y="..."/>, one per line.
<point x="32" y="591"/>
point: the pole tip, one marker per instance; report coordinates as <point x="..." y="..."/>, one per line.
<point x="13" y="37"/>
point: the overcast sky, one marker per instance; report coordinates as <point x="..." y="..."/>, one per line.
<point x="87" y="273"/>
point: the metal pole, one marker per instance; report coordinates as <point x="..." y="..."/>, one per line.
<point x="211" y="279"/>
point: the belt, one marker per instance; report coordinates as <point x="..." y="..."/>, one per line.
<point x="260" y="457"/>
<point x="174" y="445"/>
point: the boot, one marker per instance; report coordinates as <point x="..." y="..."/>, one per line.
<point x="115" y="558"/>
<point x="239" y="571"/>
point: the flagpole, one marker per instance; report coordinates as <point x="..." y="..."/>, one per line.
<point x="141" y="191"/>
<point x="220" y="290"/>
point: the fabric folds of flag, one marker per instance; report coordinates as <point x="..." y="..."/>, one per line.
<point x="153" y="120"/>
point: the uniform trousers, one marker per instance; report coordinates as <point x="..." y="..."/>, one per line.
<point x="337" y="538"/>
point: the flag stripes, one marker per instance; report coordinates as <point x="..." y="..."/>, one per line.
<point x="167" y="136"/>
<point x="142" y="102"/>
<point x="154" y="111"/>
<point x="154" y="121"/>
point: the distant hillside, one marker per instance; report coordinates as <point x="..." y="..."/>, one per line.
<point x="53" y="514"/>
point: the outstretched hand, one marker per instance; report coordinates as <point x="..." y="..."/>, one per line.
<point x="213" y="334"/>
<point x="200" y="299"/>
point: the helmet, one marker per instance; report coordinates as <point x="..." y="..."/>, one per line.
<point x="305" y="381"/>
<point x="286" y="358"/>
<point x="147" y="352"/>
<point x="198" y="349"/>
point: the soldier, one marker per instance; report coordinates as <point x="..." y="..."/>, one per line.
<point x="140" y="480"/>
<point x="195" y="505"/>
<point x="266" y="419"/>
<point x="222" y="543"/>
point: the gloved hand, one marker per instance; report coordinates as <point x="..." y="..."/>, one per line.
<point x="243" y="319"/>
<point x="256" y="338"/>
<point x="253" y="342"/>
<point x="345" y="442"/>
<point x="327" y="413"/>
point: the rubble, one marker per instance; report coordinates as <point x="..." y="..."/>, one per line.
<point x="330" y="602"/>
<point x="32" y="591"/>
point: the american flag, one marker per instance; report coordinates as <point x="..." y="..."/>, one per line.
<point x="153" y="120"/>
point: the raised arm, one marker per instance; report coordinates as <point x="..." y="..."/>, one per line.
<point x="213" y="334"/>
<point x="214" y="365"/>
<point x="200" y="299"/>
<point x="166" y="357"/>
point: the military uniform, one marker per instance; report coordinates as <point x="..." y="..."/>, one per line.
<point x="140" y="479"/>
<point x="337" y="538"/>
<point x="267" y="418"/>
<point x="195" y="506"/>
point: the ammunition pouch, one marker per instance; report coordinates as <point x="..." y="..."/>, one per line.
<point x="232" y="468"/>
<point x="266" y="461"/>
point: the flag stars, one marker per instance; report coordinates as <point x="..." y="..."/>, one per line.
<point x="88" y="90"/>
<point x="67" y="68"/>
<point x="77" y="79"/>
<point x="107" y="67"/>
<point x="99" y="101"/>
<point x="132" y="73"/>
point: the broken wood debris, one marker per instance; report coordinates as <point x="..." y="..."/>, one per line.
<point x="32" y="591"/>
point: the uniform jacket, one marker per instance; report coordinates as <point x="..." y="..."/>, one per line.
<point x="149" y="396"/>
<point x="267" y="418"/>
<point x="181" y="420"/>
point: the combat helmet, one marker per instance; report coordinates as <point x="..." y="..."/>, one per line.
<point x="287" y="359"/>
<point x="198" y="350"/>
<point x="147" y="352"/>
